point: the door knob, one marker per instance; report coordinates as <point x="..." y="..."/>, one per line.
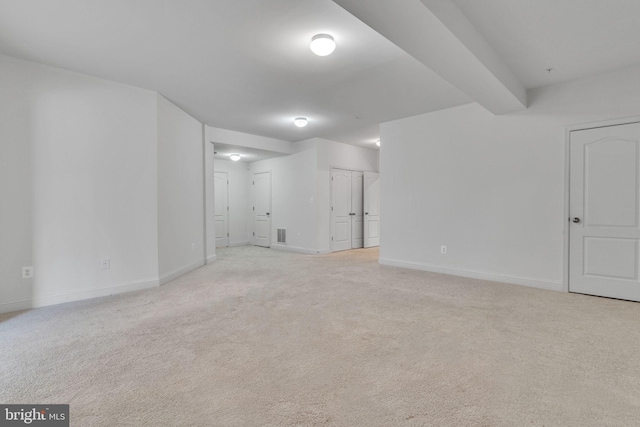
<point x="576" y="220"/>
<point x="366" y="213"/>
<point x="267" y="213"/>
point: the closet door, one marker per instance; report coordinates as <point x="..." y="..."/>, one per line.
<point x="262" y="209"/>
<point x="371" y="209"/>
<point x="340" y="210"/>
<point x="357" y="212"/>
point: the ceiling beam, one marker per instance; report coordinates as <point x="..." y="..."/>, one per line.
<point x="241" y="139"/>
<point x="436" y="33"/>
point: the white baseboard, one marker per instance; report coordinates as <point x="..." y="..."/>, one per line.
<point x="295" y="249"/>
<point x="77" y="296"/>
<point x="211" y="258"/>
<point x="180" y="271"/>
<point x="503" y="278"/>
<point x="232" y="244"/>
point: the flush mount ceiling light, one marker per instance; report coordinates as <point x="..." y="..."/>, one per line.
<point x="300" y="121"/>
<point x="322" y="44"/>
<point x="235" y="157"/>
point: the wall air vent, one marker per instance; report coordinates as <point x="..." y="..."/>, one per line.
<point x="282" y="235"/>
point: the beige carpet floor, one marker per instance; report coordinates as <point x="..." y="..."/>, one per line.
<point x="269" y="338"/>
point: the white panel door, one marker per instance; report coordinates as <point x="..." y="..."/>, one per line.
<point x="341" y="209"/>
<point x="357" y="210"/>
<point x="262" y="209"/>
<point x="371" y="209"/>
<point x="221" y="205"/>
<point x="605" y="223"/>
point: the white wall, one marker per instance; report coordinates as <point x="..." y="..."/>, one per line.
<point x="345" y="156"/>
<point x="293" y="183"/>
<point x="181" y="240"/>
<point x="78" y="173"/>
<point x="239" y="200"/>
<point x="491" y="188"/>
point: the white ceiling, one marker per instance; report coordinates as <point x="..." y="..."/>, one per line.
<point x="576" y="38"/>
<point x="245" y="65"/>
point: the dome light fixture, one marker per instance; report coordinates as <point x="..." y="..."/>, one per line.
<point x="378" y="143"/>
<point x="322" y="44"/>
<point x="235" y="157"/>
<point x="300" y="121"/>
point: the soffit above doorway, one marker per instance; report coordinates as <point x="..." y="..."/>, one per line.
<point x="249" y="155"/>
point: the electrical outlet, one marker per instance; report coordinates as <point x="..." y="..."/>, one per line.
<point x="27" y="272"/>
<point x="443" y="249"/>
<point x="106" y="264"/>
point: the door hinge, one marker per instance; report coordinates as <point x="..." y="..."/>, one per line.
<point x="254" y="183"/>
<point x="227" y="234"/>
<point x="227" y="207"/>
<point x="254" y="233"/>
<point x="254" y="208"/>
<point x="332" y="238"/>
<point x="331" y="208"/>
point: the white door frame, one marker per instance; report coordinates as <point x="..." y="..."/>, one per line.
<point x="567" y="184"/>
